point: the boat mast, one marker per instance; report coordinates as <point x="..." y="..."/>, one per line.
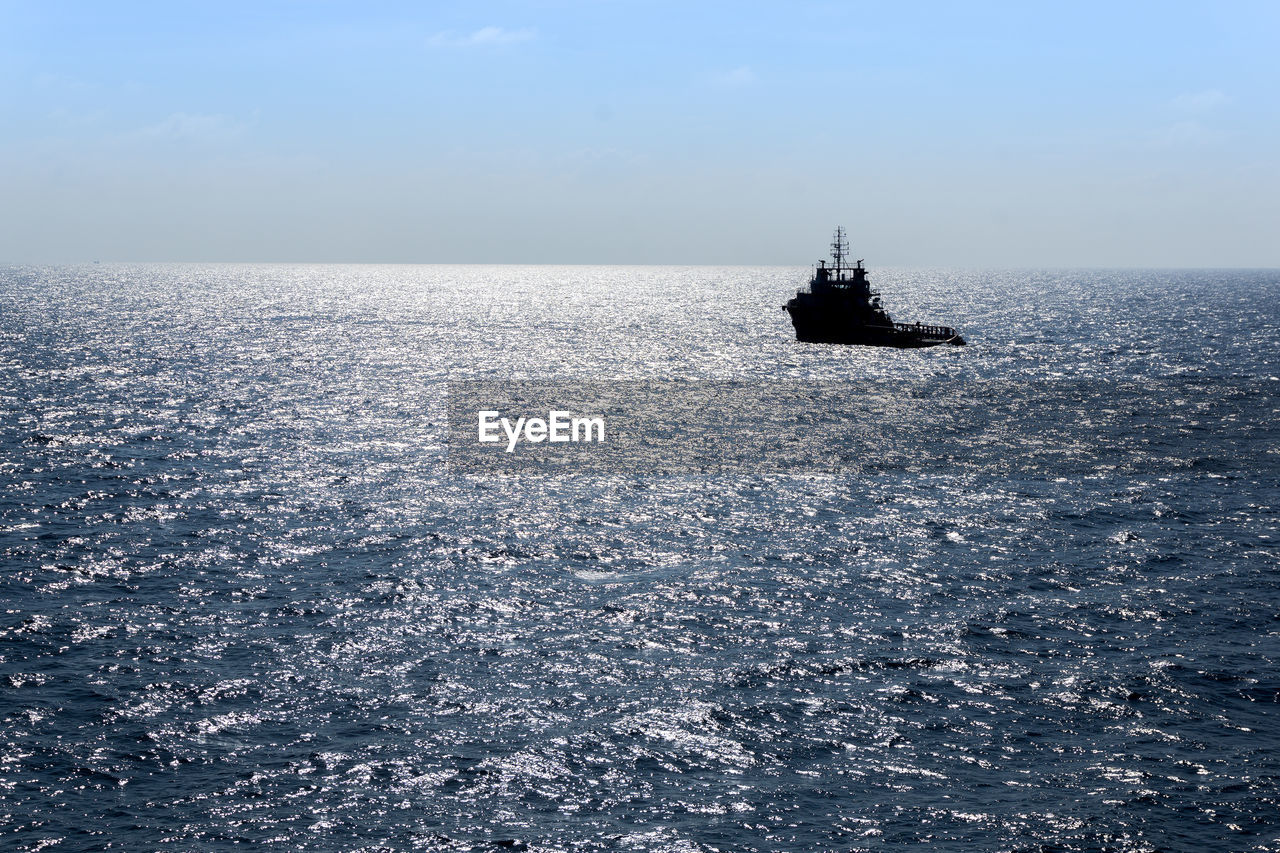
<point x="839" y="249"/>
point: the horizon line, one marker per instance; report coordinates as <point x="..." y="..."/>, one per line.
<point x="1232" y="267"/>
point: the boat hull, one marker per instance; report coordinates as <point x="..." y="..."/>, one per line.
<point x="818" y="327"/>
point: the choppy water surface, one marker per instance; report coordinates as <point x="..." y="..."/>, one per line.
<point x="244" y="604"/>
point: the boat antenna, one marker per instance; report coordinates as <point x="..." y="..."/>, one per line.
<point x="839" y="249"/>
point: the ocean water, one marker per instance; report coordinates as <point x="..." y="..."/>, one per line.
<point x="247" y="604"/>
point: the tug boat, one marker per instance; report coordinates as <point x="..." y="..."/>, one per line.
<point x="841" y="308"/>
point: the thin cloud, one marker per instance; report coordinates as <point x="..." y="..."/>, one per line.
<point x="740" y="76"/>
<point x="191" y="127"/>
<point x="1199" y="102"/>
<point x="1193" y="122"/>
<point x="483" y="37"/>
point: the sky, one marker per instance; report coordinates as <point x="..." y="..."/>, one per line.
<point x="949" y="134"/>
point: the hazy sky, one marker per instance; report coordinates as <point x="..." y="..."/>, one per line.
<point x="962" y="133"/>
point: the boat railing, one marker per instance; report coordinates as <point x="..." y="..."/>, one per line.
<point x="931" y="331"/>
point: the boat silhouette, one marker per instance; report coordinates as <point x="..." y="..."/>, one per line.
<point x="840" y="307"/>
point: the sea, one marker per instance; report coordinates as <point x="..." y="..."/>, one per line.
<point x="1025" y="598"/>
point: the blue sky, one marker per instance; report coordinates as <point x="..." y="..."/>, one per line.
<point x="988" y="134"/>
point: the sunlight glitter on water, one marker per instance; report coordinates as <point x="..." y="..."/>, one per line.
<point x="245" y="602"/>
